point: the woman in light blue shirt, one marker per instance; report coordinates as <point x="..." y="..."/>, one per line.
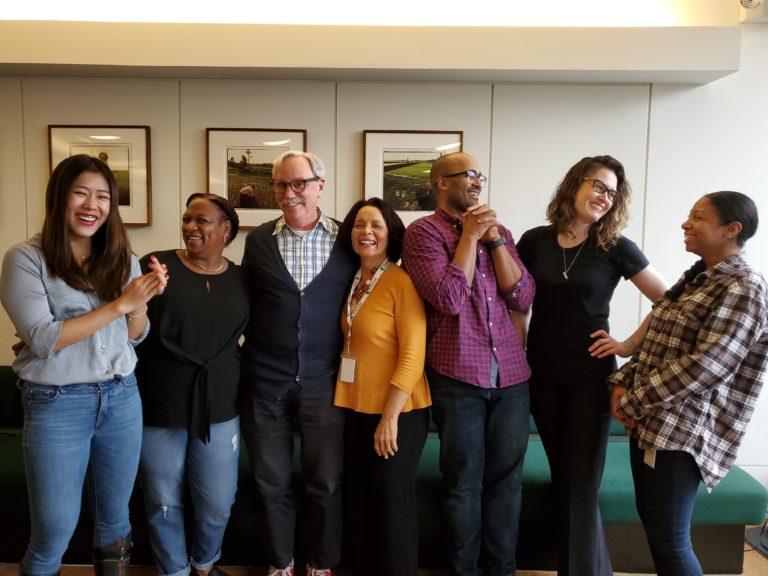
<point x="78" y="301"/>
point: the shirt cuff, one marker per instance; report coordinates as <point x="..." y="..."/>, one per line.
<point x="626" y="407"/>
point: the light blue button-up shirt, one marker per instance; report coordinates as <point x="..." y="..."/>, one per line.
<point x="38" y="303"/>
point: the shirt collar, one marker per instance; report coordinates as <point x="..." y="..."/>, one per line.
<point x="323" y="221"/>
<point x="728" y="266"/>
<point x="452" y="221"/>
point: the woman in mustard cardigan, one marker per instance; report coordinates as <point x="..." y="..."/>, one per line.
<point x="382" y="384"/>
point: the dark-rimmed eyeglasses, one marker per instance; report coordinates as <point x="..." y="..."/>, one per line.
<point x="600" y="187"/>
<point x="297" y="185"/>
<point x="473" y="175"/>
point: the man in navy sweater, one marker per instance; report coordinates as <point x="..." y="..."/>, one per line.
<point x="299" y="278"/>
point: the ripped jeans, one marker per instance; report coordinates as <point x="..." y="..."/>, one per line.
<point x="169" y="457"/>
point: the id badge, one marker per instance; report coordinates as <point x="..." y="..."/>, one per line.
<point x="347" y="369"/>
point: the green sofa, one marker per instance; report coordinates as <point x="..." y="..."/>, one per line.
<point x="718" y="531"/>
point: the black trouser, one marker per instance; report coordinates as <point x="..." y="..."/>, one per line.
<point x="380" y="494"/>
<point x="571" y="405"/>
<point x="268" y="433"/>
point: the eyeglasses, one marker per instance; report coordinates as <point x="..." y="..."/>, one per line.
<point x="600" y="187"/>
<point x="297" y="185"/>
<point x="472" y="175"/>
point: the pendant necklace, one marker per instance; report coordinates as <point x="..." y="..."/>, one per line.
<point x="569" y="266"/>
<point x="186" y="253"/>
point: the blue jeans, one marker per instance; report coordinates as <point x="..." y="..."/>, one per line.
<point x="665" y="496"/>
<point x="76" y="434"/>
<point x="171" y="456"/>
<point x="483" y="439"/>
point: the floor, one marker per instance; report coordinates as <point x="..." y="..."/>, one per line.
<point x="754" y="565"/>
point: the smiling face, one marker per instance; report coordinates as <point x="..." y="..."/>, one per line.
<point x="588" y="204"/>
<point x="88" y="204"/>
<point x="204" y="229"/>
<point x="457" y="193"/>
<point x="706" y="236"/>
<point x="299" y="208"/>
<point x="370" y="236"/>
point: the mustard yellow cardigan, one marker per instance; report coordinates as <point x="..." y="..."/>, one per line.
<point x="389" y="340"/>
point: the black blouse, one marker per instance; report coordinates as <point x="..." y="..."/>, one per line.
<point x="189" y="364"/>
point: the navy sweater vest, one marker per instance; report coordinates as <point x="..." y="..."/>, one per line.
<point x="293" y="336"/>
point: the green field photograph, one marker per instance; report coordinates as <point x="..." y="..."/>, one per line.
<point x="406" y="179"/>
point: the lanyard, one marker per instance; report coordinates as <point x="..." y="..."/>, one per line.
<point x="352" y="312"/>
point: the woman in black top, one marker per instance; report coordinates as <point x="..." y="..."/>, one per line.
<point x="189" y="370"/>
<point x="577" y="261"/>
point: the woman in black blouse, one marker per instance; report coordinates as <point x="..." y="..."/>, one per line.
<point x="188" y="374"/>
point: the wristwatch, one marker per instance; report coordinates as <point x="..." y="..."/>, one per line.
<point x="491" y="246"/>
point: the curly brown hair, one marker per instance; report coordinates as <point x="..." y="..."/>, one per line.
<point x="560" y="211"/>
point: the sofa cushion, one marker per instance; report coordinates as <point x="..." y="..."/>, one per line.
<point x="11" y="414"/>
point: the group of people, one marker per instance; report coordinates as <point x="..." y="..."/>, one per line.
<point x="352" y="350"/>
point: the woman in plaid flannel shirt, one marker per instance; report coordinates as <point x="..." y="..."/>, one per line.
<point x="690" y="389"/>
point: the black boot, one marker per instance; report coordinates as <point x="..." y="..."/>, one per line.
<point x="113" y="559"/>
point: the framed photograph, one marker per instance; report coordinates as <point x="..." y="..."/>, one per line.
<point x="397" y="165"/>
<point x="125" y="149"/>
<point x="239" y="166"/>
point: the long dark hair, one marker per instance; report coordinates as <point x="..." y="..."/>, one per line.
<point x="395" y="227"/>
<point x="108" y="269"/>
<point x="560" y="211"/>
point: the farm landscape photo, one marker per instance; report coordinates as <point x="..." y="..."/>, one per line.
<point x="406" y="183"/>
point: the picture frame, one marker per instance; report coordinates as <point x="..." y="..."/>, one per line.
<point x="239" y="167"/>
<point x="397" y="164"/>
<point x="125" y="149"/>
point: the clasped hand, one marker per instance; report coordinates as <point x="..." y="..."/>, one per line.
<point x="141" y="289"/>
<point x="480" y="223"/>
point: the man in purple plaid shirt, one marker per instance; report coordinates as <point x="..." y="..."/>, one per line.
<point x="465" y="266"/>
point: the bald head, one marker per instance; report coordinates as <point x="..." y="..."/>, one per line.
<point x="450" y="164"/>
<point x="457" y="182"/>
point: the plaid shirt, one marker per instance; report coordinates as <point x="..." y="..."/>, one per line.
<point x="306" y="254"/>
<point x="467" y="324"/>
<point x="693" y="384"/>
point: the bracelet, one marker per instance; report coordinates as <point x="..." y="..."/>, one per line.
<point x="133" y="316"/>
<point x="495" y="244"/>
<point x="630" y="346"/>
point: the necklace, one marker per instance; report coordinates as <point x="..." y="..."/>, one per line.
<point x="196" y="263"/>
<point x="569" y="266"/>
<point x="362" y="287"/>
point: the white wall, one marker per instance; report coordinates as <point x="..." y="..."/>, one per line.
<point x="154" y="103"/>
<point x="12" y="188"/>
<point x="678" y="142"/>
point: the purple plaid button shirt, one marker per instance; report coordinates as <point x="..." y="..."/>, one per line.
<point x="467" y="324"/>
